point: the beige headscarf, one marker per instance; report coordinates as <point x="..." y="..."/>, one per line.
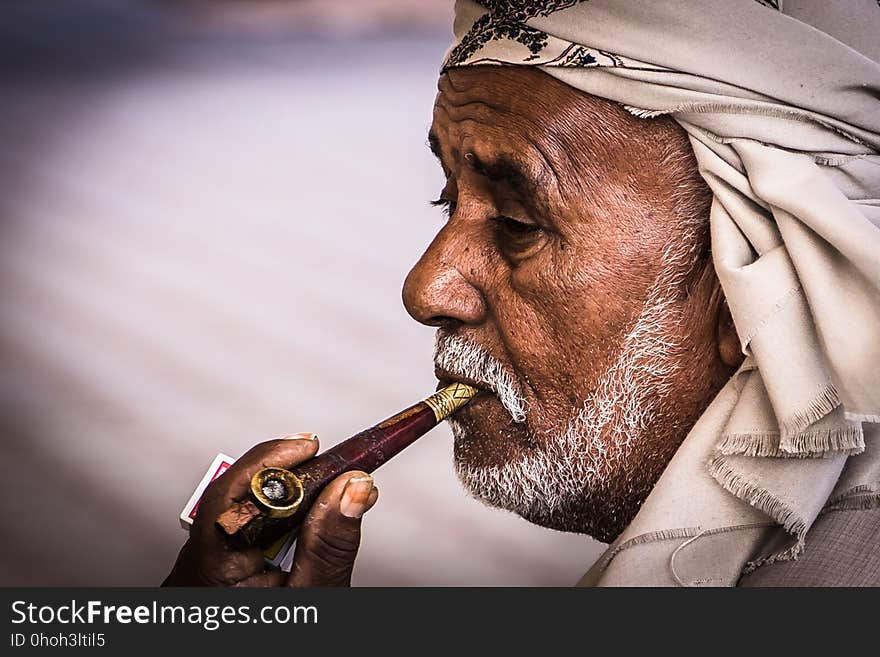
<point x="781" y="101"/>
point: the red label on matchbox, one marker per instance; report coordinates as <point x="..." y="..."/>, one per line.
<point x="223" y="467"/>
<point x="218" y="467"/>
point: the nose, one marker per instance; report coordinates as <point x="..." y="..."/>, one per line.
<point x="437" y="292"/>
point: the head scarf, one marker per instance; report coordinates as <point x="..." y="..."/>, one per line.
<point x="781" y="108"/>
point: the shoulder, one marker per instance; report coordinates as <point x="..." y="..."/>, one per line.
<point x="842" y="549"/>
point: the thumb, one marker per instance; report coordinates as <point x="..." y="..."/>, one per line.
<point x="331" y="533"/>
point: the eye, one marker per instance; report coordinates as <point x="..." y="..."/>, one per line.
<point x="447" y="206"/>
<point x="515" y="227"/>
<point x="517" y="240"/>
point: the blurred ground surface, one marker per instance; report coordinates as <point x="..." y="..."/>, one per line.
<point x="203" y="234"/>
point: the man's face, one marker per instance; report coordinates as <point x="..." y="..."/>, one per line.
<point x="572" y="281"/>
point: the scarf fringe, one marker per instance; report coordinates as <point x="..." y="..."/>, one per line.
<point x="750" y="444"/>
<point x="659" y="535"/>
<point x="690" y="534"/>
<point x="847" y="440"/>
<point x="789" y="554"/>
<point x="757" y="497"/>
<point x="644" y="113"/>
<point x="823" y="403"/>
<point x="855" y="503"/>
<point x="649" y="537"/>
<point x="857" y="498"/>
<point x="823" y="443"/>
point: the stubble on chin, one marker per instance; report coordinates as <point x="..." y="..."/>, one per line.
<point x="591" y="475"/>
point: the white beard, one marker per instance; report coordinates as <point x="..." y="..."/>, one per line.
<point x="458" y="356"/>
<point x="551" y="484"/>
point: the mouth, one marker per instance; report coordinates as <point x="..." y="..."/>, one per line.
<point x="485" y="410"/>
<point x="445" y="378"/>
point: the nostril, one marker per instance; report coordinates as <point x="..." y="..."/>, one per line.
<point x="440" y="321"/>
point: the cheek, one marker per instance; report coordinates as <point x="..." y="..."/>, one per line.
<point x="540" y="329"/>
<point x="571" y="313"/>
<point x="572" y="296"/>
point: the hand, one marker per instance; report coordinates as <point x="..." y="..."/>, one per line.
<point x="328" y="540"/>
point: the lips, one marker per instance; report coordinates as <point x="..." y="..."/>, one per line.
<point x="445" y="378"/>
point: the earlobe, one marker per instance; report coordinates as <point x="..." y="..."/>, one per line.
<point x="728" y="341"/>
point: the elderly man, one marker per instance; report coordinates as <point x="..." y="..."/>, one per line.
<point x="661" y="265"/>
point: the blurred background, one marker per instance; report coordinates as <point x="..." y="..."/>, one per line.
<point x="207" y="210"/>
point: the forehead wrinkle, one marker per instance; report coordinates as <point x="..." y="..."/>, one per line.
<point x="549" y="171"/>
<point x="478" y="127"/>
<point x="581" y="137"/>
<point x="457" y="101"/>
<point x="474" y="110"/>
<point x="477" y="104"/>
<point x="576" y="153"/>
<point x="605" y="144"/>
<point x="459" y="108"/>
<point x="534" y="160"/>
<point x="529" y="160"/>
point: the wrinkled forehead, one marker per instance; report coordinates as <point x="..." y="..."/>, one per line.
<point x="550" y="126"/>
<point x="524" y="99"/>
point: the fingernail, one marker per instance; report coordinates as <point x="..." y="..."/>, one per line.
<point x="355" y="500"/>
<point x="303" y="435"/>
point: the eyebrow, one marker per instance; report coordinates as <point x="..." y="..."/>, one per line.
<point x="502" y="169"/>
<point x="511" y="173"/>
<point x="434" y="145"/>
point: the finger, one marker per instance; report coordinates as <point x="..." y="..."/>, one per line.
<point x="235" y="482"/>
<point x="331" y="533"/>
<point x="228" y="567"/>
<point x="200" y="566"/>
<point x="208" y="557"/>
<point x="281" y="453"/>
<point x="267" y="578"/>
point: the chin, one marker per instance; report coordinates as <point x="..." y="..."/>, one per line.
<point x="566" y="489"/>
<point x="486" y="436"/>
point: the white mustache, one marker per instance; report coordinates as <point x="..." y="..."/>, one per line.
<point x="462" y="358"/>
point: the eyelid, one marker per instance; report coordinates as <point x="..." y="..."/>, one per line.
<point x="518" y="241"/>
<point x="508" y="218"/>
<point x="512" y="208"/>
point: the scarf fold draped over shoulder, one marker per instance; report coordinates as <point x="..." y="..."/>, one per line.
<point x="782" y="108"/>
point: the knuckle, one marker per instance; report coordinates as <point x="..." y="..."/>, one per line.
<point x="264" y="446"/>
<point x="213" y="574"/>
<point x="332" y="550"/>
<point x="225" y="568"/>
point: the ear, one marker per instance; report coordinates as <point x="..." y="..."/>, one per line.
<point x="728" y="340"/>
